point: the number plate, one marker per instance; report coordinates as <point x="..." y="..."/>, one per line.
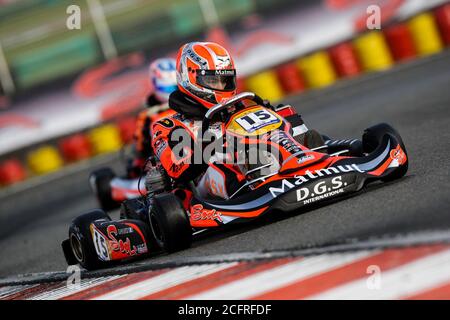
<point x="254" y="121"/>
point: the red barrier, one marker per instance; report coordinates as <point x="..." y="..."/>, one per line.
<point x="345" y="60"/>
<point x="127" y="127"/>
<point x="290" y="78"/>
<point x="400" y="42"/>
<point x="75" y="148"/>
<point x="443" y="20"/>
<point x="11" y="171"/>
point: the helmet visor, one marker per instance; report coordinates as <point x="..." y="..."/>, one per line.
<point x="220" y="80"/>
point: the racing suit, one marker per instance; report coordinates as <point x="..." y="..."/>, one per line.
<point x="155" y="109"/>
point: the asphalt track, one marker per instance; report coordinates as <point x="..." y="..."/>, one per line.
<point x="413" y="97"/>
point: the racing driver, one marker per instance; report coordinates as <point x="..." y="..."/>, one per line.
<point x="199" y="88"/>
<point x="162" y="75"/>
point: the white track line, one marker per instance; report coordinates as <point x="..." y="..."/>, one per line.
<point x="279" y="276"/>
<point x="64" y="291"/>
<point x="164" y="281"/>
<point x="419" y="275"/>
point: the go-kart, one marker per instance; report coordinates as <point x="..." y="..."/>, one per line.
<point x="111" y="190"/>
<point x="298" y="178"/>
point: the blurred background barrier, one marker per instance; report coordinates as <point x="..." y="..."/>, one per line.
<point x="400" y="42"/>
<point x="38" y="45"/>
<point x="12" y="171"/>
<point x="425" y="34"/>
<point x="345" y="60"/>
<point x="266" y="85"/>
<point x="317" y="69"/>
<point x="105" y="139"/>
<point x="44" y="160"/>
<point x="290" y="78"/>
<point x="33" y="61"/>
<point x="443" y="20"/>
<point x="373" y="51"/>
<point x="127" y="127"/>
<point x="75" y="148"/>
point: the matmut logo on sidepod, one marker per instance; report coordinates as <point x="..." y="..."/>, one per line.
<point x="309" y="176"/>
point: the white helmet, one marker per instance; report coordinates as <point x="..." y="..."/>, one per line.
<point x="163" y="78"/>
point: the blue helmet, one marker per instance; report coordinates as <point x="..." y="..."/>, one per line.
<point x="163" y="78"/>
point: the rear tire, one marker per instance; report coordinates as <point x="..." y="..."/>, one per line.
<point x="169" y="223"/>
<point x="100" y="181"/>
<point x="372" y="138"/>
<point x="81" y="242"/>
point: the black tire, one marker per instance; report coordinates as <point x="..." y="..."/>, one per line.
<point x="100" y="181"/>
<point x="81" y="242"/>
<point x="372" y="138"/>
<point x="169" y="223"/>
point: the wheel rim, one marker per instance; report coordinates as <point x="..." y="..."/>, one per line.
<point x="77" y="248"/>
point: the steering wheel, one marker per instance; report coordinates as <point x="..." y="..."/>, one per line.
<point x="222" y="106"/>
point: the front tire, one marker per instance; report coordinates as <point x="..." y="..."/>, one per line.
<point x="169" y="223"/>
<point x="81" y="242"/>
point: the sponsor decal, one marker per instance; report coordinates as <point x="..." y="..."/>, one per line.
<point x="196" y="58"/>
<point x="321" y="190"/>
<point x="287" y="185"/>
<point x="120" y="245"/>
<point x="141" y="248"/>
<point x="100" y="244"/>
<point x="157" y="134"/>
<point x="324" y="196"/>
<point x="175" y="168"/>
<point x="217" y="72"/>
<point x="167" y="123"/>
<point x="127" y="230"/>
<point x="223" y="61"/>
<point x="225" y="72"/>
<point x="160" y="146"/>
<point x="200" y="213"/>
<point x="305" y="158"/>
<point x="215" y="187"/>
<point x="282" y="139"/>
<point x="398" y="154"/>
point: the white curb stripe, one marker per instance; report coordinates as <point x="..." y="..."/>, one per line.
<point x="419" y="275"/>
<point x="10" y="290"/>
<point x="64" y="291"/>
<point x="163" y="281"/>
<point x="279" y="276"/>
